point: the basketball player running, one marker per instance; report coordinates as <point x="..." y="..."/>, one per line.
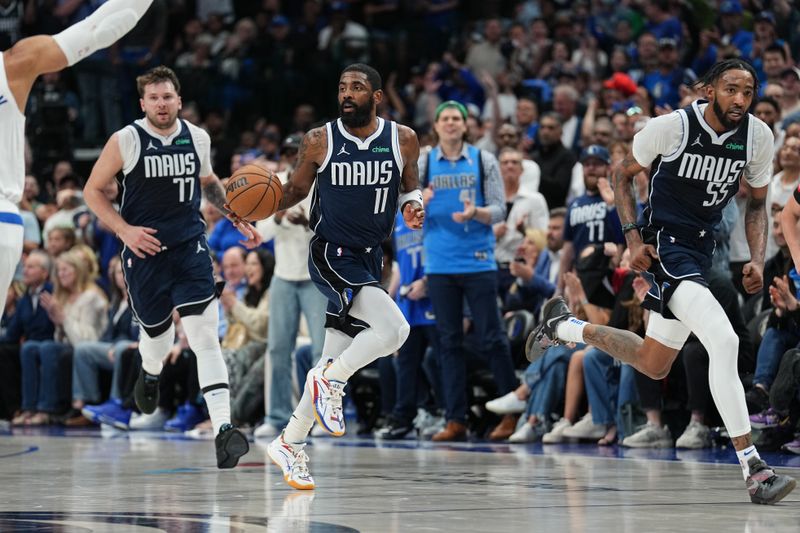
<point x="20" y="65"/>
<point x="165" y="163"/>
<point x="365" y="168"/>
<point x="697" y="156"/>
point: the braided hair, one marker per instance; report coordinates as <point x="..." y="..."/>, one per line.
<point x="719" y="68"/>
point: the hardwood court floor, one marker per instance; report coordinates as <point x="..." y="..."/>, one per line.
<point x="85" y="481"/>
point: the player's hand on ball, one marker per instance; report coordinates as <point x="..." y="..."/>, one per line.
<point x="140" y="240"/>
<point x="413" y="215"/>
<point x="642" y="257"/>
<point x="753" y="277"/>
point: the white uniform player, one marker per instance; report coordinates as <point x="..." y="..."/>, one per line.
<point x="20" y="65"/>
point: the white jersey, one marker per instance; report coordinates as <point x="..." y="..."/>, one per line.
<point x="12" y="145"/>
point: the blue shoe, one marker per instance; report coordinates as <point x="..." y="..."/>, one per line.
<point x="116" y="415"/>
<point x="93" y="412"/>
<point x="187" y="417"/>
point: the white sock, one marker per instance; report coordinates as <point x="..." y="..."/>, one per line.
<point x="298" y="427"/>
<point x="571" y="330"/>
<point x="340" y="370"/>
<point x="744" y="456"/>
<point x="218" y="402"/>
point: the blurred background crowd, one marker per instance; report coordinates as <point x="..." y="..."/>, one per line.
<point x="554" y="90"/>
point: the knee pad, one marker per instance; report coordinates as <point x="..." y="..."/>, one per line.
<point x="202" y="330"/>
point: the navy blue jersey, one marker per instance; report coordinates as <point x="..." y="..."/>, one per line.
<point x="591" y="221"/>
<point x="357" y="186"/>
<point x="690" y="187"/>
<point x="162" y="190"/>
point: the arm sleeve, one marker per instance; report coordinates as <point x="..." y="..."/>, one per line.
<point x="660" y="136"/>
<point x="759" y="171"/>
<point x="494" y="190"/>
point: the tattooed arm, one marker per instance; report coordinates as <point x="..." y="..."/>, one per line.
<point x="755" y="227"/>
<point x="625" y="199"/>
<point x="214" y="192"/>
<point x="309" y="158"/>
<point x="413" y="211"/>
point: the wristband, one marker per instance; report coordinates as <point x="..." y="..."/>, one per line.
<point x="411" y="196"/>
<point x="628" y="227"/>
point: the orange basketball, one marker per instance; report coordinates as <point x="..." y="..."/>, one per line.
<point x="253" y="193"/>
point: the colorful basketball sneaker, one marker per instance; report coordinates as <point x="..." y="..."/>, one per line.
<point x="765" y="486"/>
<point x="327" y="397"/>
<point x="292" y="461"/>
<point x="544" y="336"/>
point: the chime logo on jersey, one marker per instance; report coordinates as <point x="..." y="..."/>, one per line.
<point x="710" y="168"/>
<point x="169" y="165"/>
<point x="361" y="172"/>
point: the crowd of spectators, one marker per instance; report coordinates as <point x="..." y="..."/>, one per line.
<point x="552" y="93"/>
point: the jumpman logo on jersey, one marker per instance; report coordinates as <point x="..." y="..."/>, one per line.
<point x="199" y="248"/>
<point x="151" y="146"/>
<point x="343" y="150"/>
<point x="697" y="141"/>
<point x="3" y="99"/>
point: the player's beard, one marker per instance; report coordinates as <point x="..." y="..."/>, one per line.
<point x="155" y="121"/>
<point x="723" y="118"/>
<point x="360" y="116"/>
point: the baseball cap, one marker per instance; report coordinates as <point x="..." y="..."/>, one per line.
<point x="667" y="41"/>
<point x="621" y="82"/>
<point x="731" y="7"/>
<point x="765" y="16"/>
<point x="292" y="142"/>
<point x="595" y="151"/>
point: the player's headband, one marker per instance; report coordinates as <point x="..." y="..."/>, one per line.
<point x="451" y="104"/>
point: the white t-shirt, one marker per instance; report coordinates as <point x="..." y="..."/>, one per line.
<point x="130" y="145"/>
<point x="663" y="136"/>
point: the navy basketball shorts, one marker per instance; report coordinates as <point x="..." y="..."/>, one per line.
<point x="339" y="273"/>
<point x="682" y="257"/>
<point x="174" y="278"/>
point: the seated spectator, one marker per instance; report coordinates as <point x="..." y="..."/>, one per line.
<point x="59" y="240"/>
<point x="77" y="307"/>
<point x="90" y="357"/>
<point x="29" y="321"/>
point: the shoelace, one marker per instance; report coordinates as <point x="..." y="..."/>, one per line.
<point x="299" y="465"/>
<point x="335" y="395"/>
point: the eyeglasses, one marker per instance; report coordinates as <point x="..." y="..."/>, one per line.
<point x="634" y="110"/>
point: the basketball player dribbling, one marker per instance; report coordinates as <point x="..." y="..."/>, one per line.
<point x="365" y="169"/>
<point x="20" y="65"/>
<point x="166" y="162"/>
<point x="697" y="155"/>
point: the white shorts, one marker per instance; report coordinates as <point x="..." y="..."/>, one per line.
<point x="11" y="236"/>
<point x="669" y="332"/>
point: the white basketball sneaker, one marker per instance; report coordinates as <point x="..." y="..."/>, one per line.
<point x="292" y="461"/>
<point x="326" y="394"/>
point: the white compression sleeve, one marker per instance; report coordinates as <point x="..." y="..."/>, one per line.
<point x="696" y="307"/>
<point x="101" y="29"/>
<point x="154" y="349"/>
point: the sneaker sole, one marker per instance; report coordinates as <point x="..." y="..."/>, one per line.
<point x="778" y="497"/>
<point x="292" y="484"/>
<point x="234" y="449"/>
<point x="310" y="386"/>
<point x="654" y="445"/>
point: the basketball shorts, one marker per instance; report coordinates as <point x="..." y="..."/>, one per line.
<point x="179" y="278"/>
<point x="682" y="257"/>
<point x="339" y="273"/>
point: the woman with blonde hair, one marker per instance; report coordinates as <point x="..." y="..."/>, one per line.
<point x="77" y="307"/>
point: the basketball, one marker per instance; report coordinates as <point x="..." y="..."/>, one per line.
<point x="253" y="193"/>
